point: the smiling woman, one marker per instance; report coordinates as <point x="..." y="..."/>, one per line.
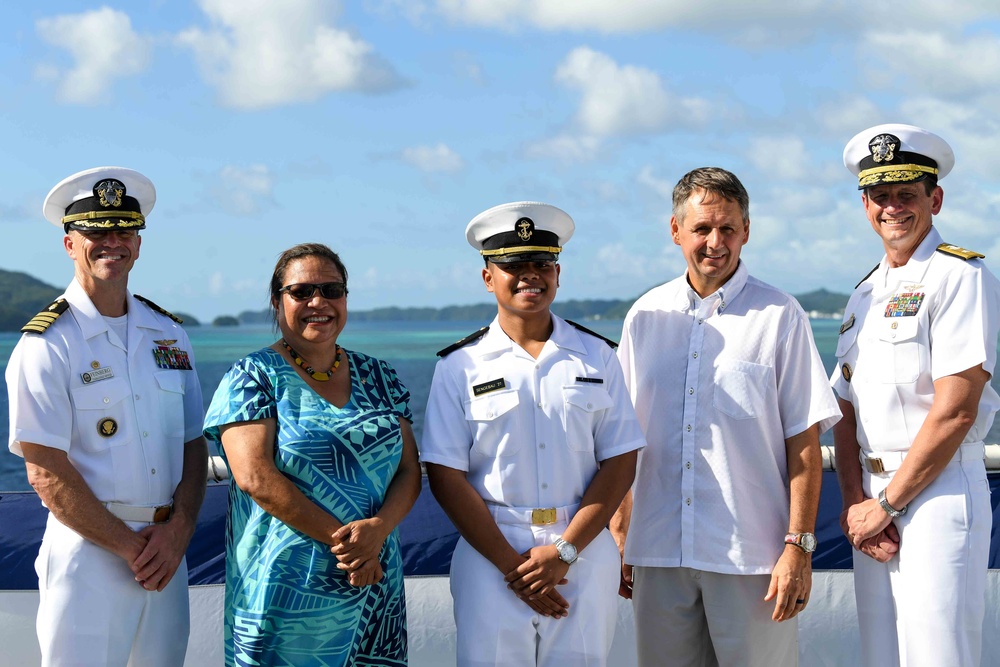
<point x="324" y="467"/>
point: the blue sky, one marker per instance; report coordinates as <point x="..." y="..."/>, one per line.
<point x="381" y="127"/>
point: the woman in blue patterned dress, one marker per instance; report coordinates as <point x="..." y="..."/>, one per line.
<point x="324" y="467"/>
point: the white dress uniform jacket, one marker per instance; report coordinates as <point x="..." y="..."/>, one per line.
<point x="719" y="384"/>
<point x="904" y="328"/>
<point x="124" y="430"/>
<point x="530" y="433"/>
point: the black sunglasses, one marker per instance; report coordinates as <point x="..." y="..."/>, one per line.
<point x="305" y="291"/>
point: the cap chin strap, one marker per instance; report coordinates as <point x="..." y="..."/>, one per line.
<point x="520" y="250"/>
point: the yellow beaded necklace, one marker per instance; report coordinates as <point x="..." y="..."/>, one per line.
<point x="314" y="374"/>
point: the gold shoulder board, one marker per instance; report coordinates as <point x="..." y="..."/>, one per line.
<point x="462" y="343"/>
<point x="161" y="311"/>
<point x="43" y="320"/>
<point x="961" y="253"/>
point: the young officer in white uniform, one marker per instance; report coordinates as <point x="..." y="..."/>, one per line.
<point x="916" y="352"/>
<point x="530" y="443"/>
<point x="106" y="409"/>
<point x="732" y="396"/>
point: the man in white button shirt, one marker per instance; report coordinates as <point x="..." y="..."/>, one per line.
<point x="732" y="396"/>
<point x="106" y="409"/>
<point x="530" y="443"/>
<point x="916" y="352"/>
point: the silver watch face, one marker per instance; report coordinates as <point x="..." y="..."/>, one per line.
<point x="808" y="541"/>
<point x="567" y="552"/>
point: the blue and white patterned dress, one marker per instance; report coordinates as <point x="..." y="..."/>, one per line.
<point x="286" y="602"/>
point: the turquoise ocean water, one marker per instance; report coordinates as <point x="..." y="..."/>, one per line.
<point x="409" y="346"/>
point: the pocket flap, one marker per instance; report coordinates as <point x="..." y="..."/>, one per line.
<point x="590" y="399"/>
<point x="100" y="395"/>
<point x="491" y="406"/>
<point x="170" y="381"/>
<point x="899" y="329"/>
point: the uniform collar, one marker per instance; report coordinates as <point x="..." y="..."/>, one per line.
<point x="497" y="342"/>
<point x="914" y="269"/>
<point x="92" y="323"/>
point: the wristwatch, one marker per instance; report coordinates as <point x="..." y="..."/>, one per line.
<point x="889" y="509"/>
<point x="804" y="541"/>
<point x="567" y="552"/>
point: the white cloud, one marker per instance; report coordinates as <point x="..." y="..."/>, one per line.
<point x="438" y="158"/>
<point x="564" y="148"/>
<point x="263" y="54"/>
<point x="662" y="188"/>
<point x="948" y="64"/>
<point x="104" y="48"/>
<point x="623" y="99"/>
<point x="245" y="190"/>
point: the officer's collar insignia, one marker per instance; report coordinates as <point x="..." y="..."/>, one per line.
<point x="883" y="147"/>
<point x="848" y="323"/>
<point x="107" y="427"/>
<point x="525" y="228"/>
<point x="97" y="375"/>
<point x="846" y="371"/>
<point x="110" y="192"/>
<point x="165" y="342"/>
<point x="487" y="387"/>
<point x="905" y="304"/>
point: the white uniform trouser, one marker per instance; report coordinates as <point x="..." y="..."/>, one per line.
<point x="925" y="607"/>
<point x="694" y="618"/>
<point x="92" y="612"/>
<point x="496" y="628"/>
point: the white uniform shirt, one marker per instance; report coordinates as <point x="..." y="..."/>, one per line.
<point x="890" y="325"/>
<point x="718" y="384"/>
<point x="529" y="432"/>
<point x="154" y="410"/>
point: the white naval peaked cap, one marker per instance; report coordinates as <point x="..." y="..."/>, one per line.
<point x="101" y="198"/>
<point x="897" y="153"/>
<point x="520" y="231"/>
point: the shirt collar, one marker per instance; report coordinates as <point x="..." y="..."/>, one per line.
<point x="92" y="323"/>
<point x="725" y="294"/>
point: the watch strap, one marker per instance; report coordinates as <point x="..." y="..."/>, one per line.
<point x="889" y="509"/>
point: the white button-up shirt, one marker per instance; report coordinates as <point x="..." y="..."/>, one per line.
<point x="529" y="432"/>
<point x="718" y="385"/>
<point x="908" y="326"/>
<point x="124" y="430"/>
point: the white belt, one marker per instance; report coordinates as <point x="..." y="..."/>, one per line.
<point x="882" y="462"/>
<point x="538" y="516"/>
<point x="125" y="512"/>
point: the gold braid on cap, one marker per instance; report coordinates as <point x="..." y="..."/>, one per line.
<point x="898" y="172"/>
<point x="521" y="249"/>
<point x="126" y="218"/>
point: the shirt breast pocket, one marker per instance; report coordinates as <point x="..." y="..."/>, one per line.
<point x="739" y="388"/>
<point x="102" y="414"/>
<point x="171" y="408"/>
<point x="494" y="421"/>
<point x="900" y="342"/>
<point x="584" y="406"/>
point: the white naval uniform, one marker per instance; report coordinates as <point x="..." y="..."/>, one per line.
<point x="530" y="433"/>
<point x="903" y="329"/>
<point x="719" y="384"/>
<point x="92" y="611"/>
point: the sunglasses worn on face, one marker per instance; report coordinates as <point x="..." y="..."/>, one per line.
<point x="305" y="291"/>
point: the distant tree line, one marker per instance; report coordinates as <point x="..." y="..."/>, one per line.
<point x="22" y="296"/>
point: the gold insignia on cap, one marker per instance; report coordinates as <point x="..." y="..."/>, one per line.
<point x="883" y="147"/>
<point x="110" y="192"/>
<point x="525" y="228"/>
<point x="95" y="364"/>
<point x="845" y="369"/>
<point x="107" y="427"/>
